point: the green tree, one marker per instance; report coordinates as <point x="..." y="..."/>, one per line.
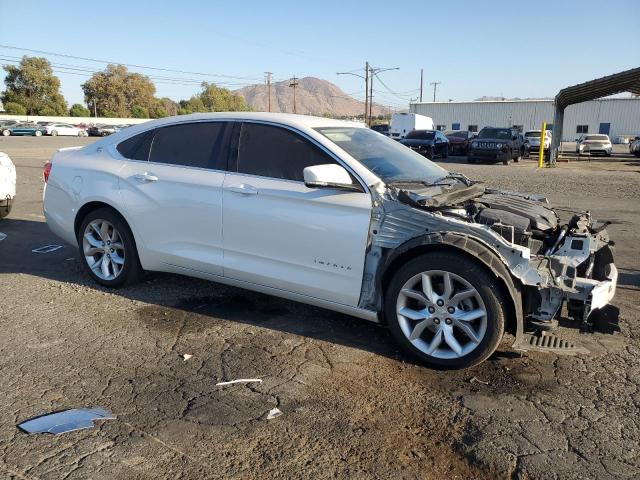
<point x="15" y="109"/>
<point x="33" y="85"/>
<point x="139" y="112"/>
<point x="116" y="91"/>
<point x="213" y="99"/>
<point x="78" y="110"/>
<point x="164" y="107"/>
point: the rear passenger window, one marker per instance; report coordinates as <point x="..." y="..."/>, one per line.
<point x="199" y="145"/>
<point x="276" y="152"/>
<point x="137" y="147"/>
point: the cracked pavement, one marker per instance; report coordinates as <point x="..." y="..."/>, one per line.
<point x="353" y="406"/>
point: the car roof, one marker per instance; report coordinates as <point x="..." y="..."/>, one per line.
<point x="289" y="119"/>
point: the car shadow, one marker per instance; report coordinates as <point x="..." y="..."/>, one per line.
<point x="191" y="295"/>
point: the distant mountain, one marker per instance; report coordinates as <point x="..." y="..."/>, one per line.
<point x="314" y="96"/>
<point x="502" y="99"/>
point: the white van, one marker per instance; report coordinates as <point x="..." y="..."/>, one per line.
<point x="403" y="123"/>
<point x="7" y="184"/>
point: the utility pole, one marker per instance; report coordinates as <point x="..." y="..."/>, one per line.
<point x="268" y="74"/>
<point x="435" y="85"/>
<point x="374" y="72"/>
<point x="294" y="84"/>
<point x="371" y="95"/>
<point x="366" y="91"/>
<point x="366" y="87"/>
<point x="95" y="108"/>
<point x="421" y="83"/>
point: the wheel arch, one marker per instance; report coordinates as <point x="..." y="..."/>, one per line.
<point x="95" y="205"/>
<point x="473" y="249"/>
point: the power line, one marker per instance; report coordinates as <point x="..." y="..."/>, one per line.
<point x="132" y="65"/>
<point x="64" y="67"/>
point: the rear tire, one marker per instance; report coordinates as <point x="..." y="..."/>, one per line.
<point x="471" y="310"/>
<point x="108" y="249"/>
<point x="38" y="133"/>
<point x="6" y="133"/>
<point x="54" y="133"/>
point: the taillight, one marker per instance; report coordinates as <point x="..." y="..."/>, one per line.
<point x="46" y="170"/>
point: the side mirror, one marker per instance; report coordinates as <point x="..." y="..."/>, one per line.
<point x="328" y="176"/>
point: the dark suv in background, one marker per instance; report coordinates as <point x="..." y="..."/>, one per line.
<point x="496" y="144"/>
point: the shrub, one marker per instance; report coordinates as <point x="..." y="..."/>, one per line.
<point x="78" y="110"/>
<point x="15" y="109"/>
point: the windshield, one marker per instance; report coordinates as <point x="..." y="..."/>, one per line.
<point x="597" y="137"/>
<point x="386" y="158"/>
<point x="420" y="135"/>
<point x="499" y="133"/>
<point x="532" y="134"/>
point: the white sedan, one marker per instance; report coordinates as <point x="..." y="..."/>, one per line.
<point x="332" y="214"/>
<point x="594" y="144"/>
<point x="55" y="129"/>
<point x="7" y="184"/>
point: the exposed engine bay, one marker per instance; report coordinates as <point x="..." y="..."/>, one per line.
<point x="556" y="262"/>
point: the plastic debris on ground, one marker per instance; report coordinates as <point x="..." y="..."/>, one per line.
<point x="186" y="356"/>
<point x="477" y="380"/>
<point x="2" y="236"/>
<point x="240" y="380"/>
<point x="273" y="413"/>
<point x="66" y="421"/>
<point x="47" y="249"/>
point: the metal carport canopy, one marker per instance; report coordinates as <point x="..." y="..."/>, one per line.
<point x="627" y="81"/>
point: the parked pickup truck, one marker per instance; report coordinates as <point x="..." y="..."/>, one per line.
<point x="496" y="145"/>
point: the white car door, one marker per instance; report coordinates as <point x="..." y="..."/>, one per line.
<point x="174" y="199"/>
<point x="280" y="233"/>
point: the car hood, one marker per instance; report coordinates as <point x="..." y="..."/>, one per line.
<point x="534" y="208"/>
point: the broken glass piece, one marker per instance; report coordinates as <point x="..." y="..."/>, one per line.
<point x="65" y="421"/>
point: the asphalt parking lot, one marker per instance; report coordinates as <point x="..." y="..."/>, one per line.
<point x="353" y="406"/>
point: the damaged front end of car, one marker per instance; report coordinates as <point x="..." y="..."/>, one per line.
<point x="544" y="263"/>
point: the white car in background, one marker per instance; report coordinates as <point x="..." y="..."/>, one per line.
<point x="332" y="214"/>
<point x="532" y="140"/>
<point x="7" y="184"/>
<point x="55" y="129"/>
<point x="594" y="144"/>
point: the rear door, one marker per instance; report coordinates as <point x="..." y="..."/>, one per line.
<point x="280" y="233"/>
<point x="174" y="198"/>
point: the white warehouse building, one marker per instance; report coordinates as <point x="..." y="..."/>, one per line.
<point x="617" y="117"/>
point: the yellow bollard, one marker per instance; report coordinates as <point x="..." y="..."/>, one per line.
<point x="541" y="150"/>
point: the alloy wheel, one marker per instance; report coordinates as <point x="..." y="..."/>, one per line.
<point x="103" y="249"/>
<point x="441" y="314"/>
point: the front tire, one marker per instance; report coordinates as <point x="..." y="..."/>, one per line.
<point x="54" y="133"/>
<point x="38" y="133"/>
<point x="446" y="310"/>
<point x="108" y="249"/>
<point x="6" y="133"/>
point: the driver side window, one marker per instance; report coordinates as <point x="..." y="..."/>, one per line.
<point x="270" y="151"/>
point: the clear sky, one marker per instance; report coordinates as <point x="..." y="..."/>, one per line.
<point x="475" y="48"/>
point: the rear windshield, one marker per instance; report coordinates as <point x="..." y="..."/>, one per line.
<point x="596" y="137"/>
<point x="421" y="135"/>
<point x="532" y="134"/>
<point x="500" y="133"/>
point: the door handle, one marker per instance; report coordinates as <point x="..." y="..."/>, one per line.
<point x="243" y="189"/>
<point x="146" y="177"/>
